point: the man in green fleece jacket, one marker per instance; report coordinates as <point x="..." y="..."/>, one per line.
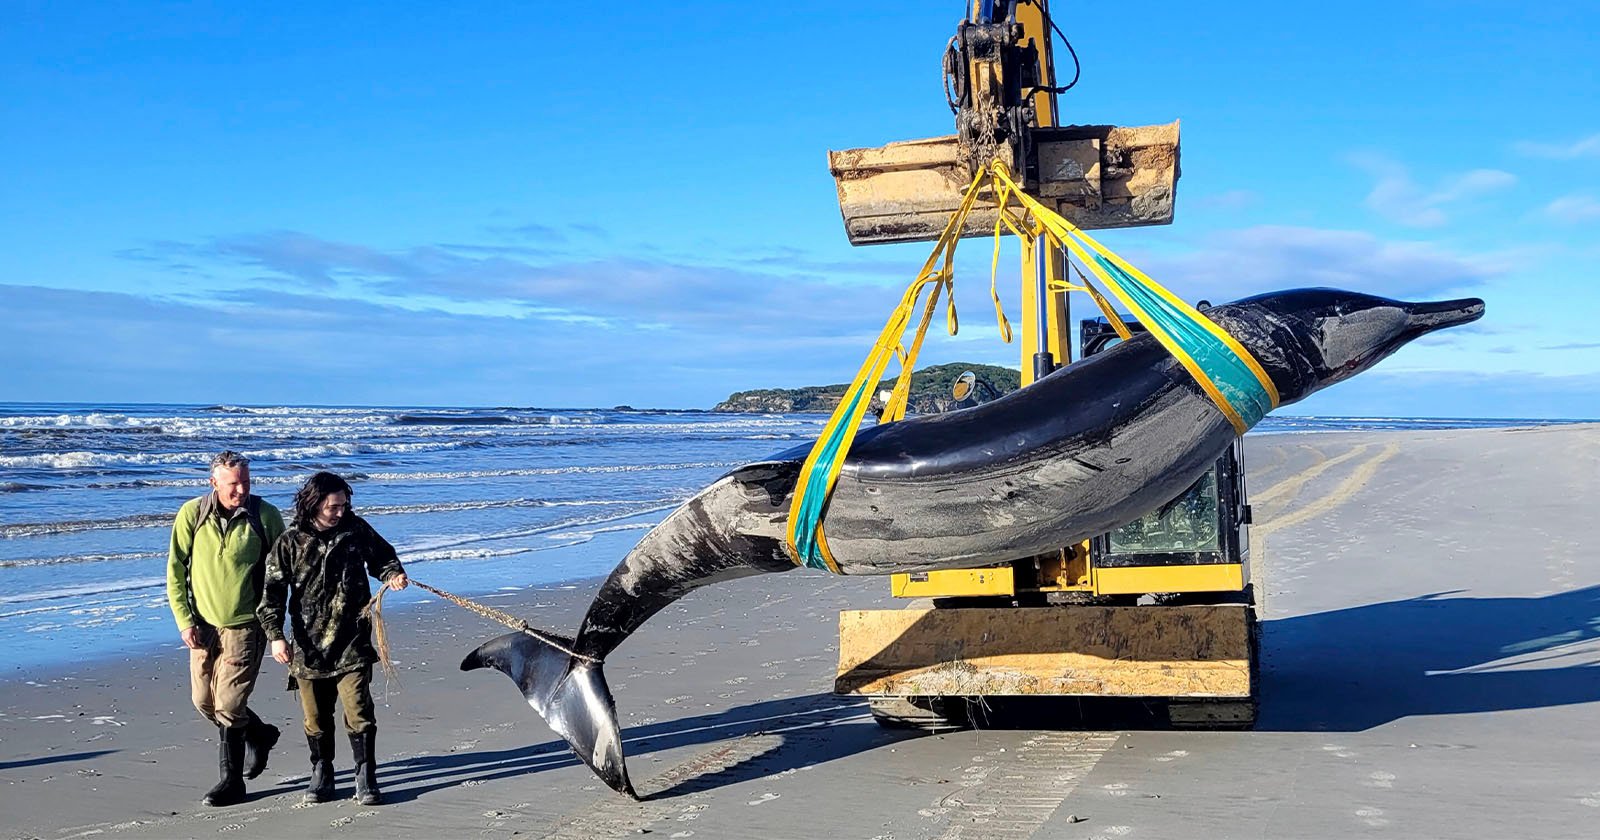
<point x="215" y="571"/>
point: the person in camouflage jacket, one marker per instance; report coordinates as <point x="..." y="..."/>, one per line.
<point x="318" y="571"/>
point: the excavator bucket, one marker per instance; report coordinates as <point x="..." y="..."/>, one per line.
<point x="1097" y="176"/>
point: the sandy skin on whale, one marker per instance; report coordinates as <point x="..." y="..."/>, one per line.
<point x="1084" y="450"/>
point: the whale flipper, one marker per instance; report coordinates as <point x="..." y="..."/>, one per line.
<point x="569" y="693"/>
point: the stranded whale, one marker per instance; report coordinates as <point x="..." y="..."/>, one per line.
<point x="1084" y="450"/>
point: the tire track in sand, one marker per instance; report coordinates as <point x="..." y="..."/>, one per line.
<point x="1287" y="488"/>
<point x="1338" y="496"/>
<point x="1012" y="795"/>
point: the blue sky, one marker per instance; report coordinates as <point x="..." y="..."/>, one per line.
<point x="490" y="204"/>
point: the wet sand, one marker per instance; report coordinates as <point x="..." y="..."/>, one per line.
<point x="1432" y="622"/>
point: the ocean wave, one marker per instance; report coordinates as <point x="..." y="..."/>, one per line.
<point x="567" y="539"/>
<point x="436" y="544"/>
<point x="128" y="585"/>
<point x="74" y="526"/>
<point x="20" y="487"/>
<point x="533" y="471"/>
<point x="451" y="507"/>
<point x="87" y="460"/>
<point x="152" y="520"/>
<point x="27" y="562"/>
<point x="131" y="593"/>
<point x="354" y="477"/>
<point x="84" y="460"/>
<point x="453" y="420"/>
<point x="93" y="420"/>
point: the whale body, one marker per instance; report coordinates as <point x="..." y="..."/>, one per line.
<point x="1087" y="449"/>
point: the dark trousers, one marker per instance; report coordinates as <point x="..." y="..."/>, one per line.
<point x="354" y="693"/>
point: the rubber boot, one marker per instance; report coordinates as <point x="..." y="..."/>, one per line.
<point x="230" y="761"/>
<point x="363" y="745"/>
<point x="320" y="788"/>
<point x="259" y="739"/>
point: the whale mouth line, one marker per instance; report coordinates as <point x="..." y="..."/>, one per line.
<point x="1437" y="315"/>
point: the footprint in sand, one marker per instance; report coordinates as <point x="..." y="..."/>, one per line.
<point x="765" y="797"/>
<point x="1380" y="779"/>
<point x="1117" y="789"/>
<point x="472" y="783"/>
<point x="464" y="745"/>
<point x="1591" y="800"/>
<point x="673" y="701"/>
<point x="1372" y="816"/>
<point x="682" y="834"/>
<point x="1175" y="754"/>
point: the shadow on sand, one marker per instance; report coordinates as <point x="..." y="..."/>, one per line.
<point x="1361" y="667"/>
<point x="810" y="729"/>
<point x="1343" y="670"/>
<point x="52" y="759"/>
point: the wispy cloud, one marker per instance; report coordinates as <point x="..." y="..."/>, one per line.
<point x="1573" y="345"/>
<point x="1586" y="147"/>
<point x="1458" y="394"/>
<point x="1573" y="209"/>
<point x="487" y="322"/>
<point x="1253" y="260"/>
<point x="756" y="294"/>
<point x="311" y="348"/>
<point x="1398" y="197"/>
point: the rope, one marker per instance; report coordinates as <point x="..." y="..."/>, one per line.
<point x="374" y="610"/>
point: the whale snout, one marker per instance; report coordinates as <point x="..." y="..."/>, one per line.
<point x="1429" y="316"/>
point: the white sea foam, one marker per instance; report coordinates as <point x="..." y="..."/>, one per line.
<point x="79" y="558"/>
<point x="153" y="520"/>
<point x="403" y="477"/>
<point x="449" y="507"/>
<point x="532" y="471"/>
<point x="126" y="585"/>
<point x="438" y="543"/>
<point x="45" y="529"/>
<point x="82" y="460"/>
<point x="94" y="419"/>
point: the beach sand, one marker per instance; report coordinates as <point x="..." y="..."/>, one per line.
<point x="1432" y="618"/>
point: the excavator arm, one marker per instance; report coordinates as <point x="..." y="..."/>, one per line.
<point x="999" y="83"/>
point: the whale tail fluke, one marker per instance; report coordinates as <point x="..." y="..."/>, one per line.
<point x="569" y="693"/>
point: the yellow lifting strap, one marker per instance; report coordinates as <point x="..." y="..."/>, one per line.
<point x="1223" y="368"/>
<point x="1228" y="374"/>
<point x="805" y="539"/>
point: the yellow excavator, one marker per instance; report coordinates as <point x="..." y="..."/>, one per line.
<point x="1161" y="609"/>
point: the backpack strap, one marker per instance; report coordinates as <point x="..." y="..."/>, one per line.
<point x="252" y="513"/>
<point x="207" y="504"/>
